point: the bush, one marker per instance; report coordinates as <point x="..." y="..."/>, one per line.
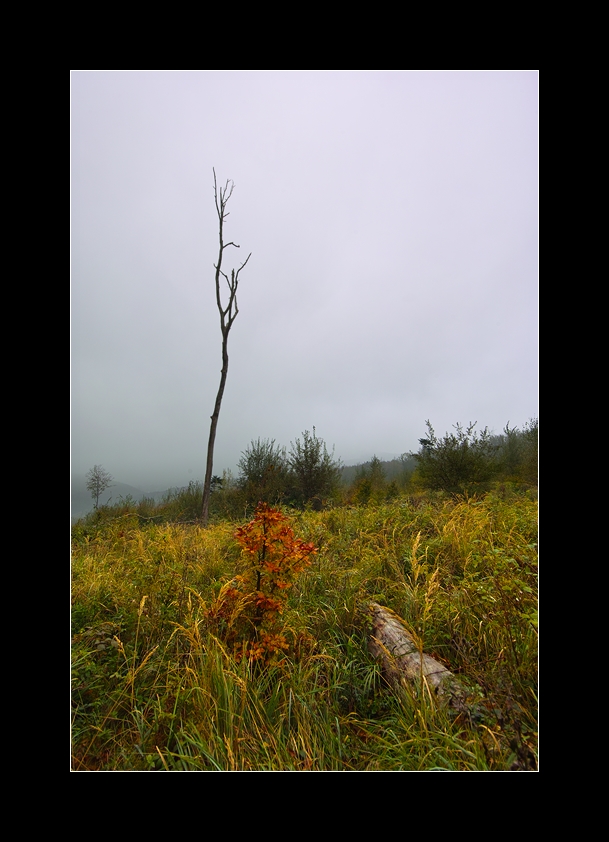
<point x="263" y="472"/>
<point x="370" y="482"/>
<point x="460" y="462"/>
<point x="518" y="453"/>
<point x="315" y="474"/>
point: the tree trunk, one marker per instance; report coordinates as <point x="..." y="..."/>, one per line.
<point x="404" y="665"/>
<point x="212" y="433"/>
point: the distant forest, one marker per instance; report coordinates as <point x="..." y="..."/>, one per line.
<point x="462" y="462"/>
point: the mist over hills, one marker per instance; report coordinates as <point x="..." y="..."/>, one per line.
<point x="82" y="502"/>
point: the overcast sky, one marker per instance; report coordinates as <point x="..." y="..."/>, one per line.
<point x="392" y="218"/>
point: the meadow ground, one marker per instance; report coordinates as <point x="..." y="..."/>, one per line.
<point x="158" y="683"/>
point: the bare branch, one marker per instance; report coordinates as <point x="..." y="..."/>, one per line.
<point x="243" y="264"/>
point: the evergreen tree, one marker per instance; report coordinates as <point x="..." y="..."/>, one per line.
<point x="460" y="462"/>
<point x="370" y="481"/>
<point x="315" y="474"/>
<point x="264" y="472"/>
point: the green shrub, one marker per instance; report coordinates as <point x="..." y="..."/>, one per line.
<point x="460" y="462"/>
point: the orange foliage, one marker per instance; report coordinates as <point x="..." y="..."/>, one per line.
<point x="275" y="554"/>
<point x="247" y="608"/>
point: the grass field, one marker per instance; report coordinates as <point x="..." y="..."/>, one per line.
<point x="158" y="685"/>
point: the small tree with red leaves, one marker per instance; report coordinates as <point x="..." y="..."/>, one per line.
<point x="248" y="607"/>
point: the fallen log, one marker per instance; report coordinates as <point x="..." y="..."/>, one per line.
<point x="405" y="666"/>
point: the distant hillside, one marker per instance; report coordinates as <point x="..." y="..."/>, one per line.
<point x="82" y="502"/>
<point x="393" y="469"/>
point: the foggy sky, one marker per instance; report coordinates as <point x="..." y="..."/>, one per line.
<point x="392" y="218"/>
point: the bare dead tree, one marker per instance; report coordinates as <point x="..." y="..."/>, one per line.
<point x="98" y="479"/>
<point x="228" y="315"/>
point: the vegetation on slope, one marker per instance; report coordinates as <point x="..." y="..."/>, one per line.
<point x="158" y="684"/>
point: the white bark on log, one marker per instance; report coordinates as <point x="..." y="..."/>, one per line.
<point x="405" y="665"/>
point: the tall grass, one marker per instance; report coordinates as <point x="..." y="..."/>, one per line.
<point x="155" y="686"/>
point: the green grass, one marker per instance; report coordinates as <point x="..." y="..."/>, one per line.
<point x="153" y="688"/>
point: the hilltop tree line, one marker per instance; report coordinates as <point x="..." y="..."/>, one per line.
<point x="461" y="462"/>
<point x="464" y="461"/>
